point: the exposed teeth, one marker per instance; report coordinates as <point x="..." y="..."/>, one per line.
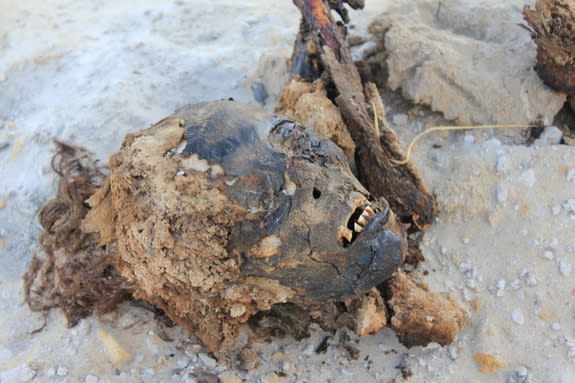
<point x="368" y="211"/>
<point x="346" y="233"/>
<point x="365" y="216"/>
<point x="356" y="224"/>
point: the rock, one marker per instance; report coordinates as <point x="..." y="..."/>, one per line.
<point x="22" y="373"/>
<point x="371" y="315"/>
<point x="202" y="377"/>
<point x="520" y="375"/>
<point x="487" y="362"/>
<point x="551" y="135"/>
<point x="517" y="317"/>
<point x="62" y="371"/>
<point x="207" y="360"/>
<point x="247" y="360"/>
<point x="420" y="316"/>
<point x="565" y="268"/>
<point x="117" y="353"/>
<point x="453" y="56"/>
<point x="260" y="93"/>
<point x="273" y="378"/>
<point x="228" y="377"/>
<point x="282" y="363"/>
<point x="26" y="373"/>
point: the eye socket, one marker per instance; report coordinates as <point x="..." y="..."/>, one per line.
<point x="291" y="138"/>
<point x="316" y="193"/>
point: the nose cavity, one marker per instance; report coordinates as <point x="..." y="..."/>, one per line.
<point x="316" y="193"/>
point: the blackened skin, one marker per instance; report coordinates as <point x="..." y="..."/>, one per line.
<point x="298" y="189"/>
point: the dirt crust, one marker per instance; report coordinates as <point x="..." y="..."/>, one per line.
<point x="172" y="233"/>
<point x="552" y="26"/>
<point x="420" y="316"/>
<point x="309" y="104"/>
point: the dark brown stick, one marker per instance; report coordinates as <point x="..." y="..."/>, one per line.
<point x="322" y="46"/>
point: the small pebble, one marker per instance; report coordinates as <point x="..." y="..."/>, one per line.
<point x="26" y="373"/>
<point x="503" y="165"/>
<point x="520" y="375"/>
<point x="571" y="175"/>
<point x="464" y="267"/>
<point x="548" y="254"/>
<point x="501" y="284"/>
<point x="517" y="316"/>
<point x="452" y="352"/>
<point x="530" y="279"/>
<point x="469" y="139"/>
<point x="399" y="119"/>
<point x="308" y="350"/>
<point x="565" y="268"/>
<point x="556" y="326"/>
<point x="192" y="350"/>
<point x="528" y="178"/>
<point x="62" y="371"/>
<point x="569" y="205"/>
<point x="260" y="92"/>
<point x="51" y="371"/>
<point x="551" y="136"/>
<point x="82" y="329"/>
<point x="502" y="194"/>
<point x="207" y="360"/>
<point x="492" y="144"/>
<point x="228" y="377"/>
<point x="116" y="352"/>
<point x="91" y="379"/>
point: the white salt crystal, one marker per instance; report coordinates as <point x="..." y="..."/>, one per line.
<point x="517" y="316"/>
<point x="565" y="268"/>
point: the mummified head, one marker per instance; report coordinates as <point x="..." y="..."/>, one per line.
<point x="309" y="223"/>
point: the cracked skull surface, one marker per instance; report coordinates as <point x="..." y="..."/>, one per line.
<point x="222" y="210"/>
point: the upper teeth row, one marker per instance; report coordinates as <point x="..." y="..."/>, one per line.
<point x="363" y="219"/>
<point x="366" y="215"/>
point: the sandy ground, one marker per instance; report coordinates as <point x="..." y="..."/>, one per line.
<point x="89" y="72"/>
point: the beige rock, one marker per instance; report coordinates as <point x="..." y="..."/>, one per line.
<point x="228" y="377"/>
<point x="421" y="316"/>
<point x="117" y="353"/>
<point x="371" y="315"/>
<point x="471" y="62"/>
